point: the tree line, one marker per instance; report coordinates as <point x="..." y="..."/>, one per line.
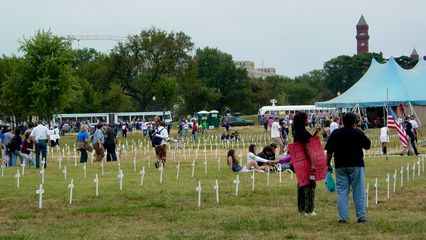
<point x="153" y="70"/>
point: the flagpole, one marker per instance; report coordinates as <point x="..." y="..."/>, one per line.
<point x="387" y="105"/>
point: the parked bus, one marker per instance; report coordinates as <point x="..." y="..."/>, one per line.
<point x="267" y="112"/>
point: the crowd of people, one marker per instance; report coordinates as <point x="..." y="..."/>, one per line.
<point x="342" y="133"/>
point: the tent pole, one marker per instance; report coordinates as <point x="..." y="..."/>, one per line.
<point x="415" y="114"/>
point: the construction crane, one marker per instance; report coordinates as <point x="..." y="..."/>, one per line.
<point x="78" y="38"/>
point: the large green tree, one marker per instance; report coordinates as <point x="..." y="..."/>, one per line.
<point x="217" y="70"/>
<point x="48" y="65"/>
<point x="149" y="63"/>
<point x="14" y="88"/>
<point x="344" y="71"/>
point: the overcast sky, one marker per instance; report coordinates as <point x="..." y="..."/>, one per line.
<point x="293" y="36"/>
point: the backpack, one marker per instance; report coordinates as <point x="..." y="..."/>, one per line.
<point x="156" y="140"/>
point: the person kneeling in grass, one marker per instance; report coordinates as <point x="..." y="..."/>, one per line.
<point x="236" y="167"/>
<point x="252" y="157"/>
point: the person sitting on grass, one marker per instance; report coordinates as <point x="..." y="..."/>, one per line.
<point x="236" y="167"/>
<point x="251" y="157"/>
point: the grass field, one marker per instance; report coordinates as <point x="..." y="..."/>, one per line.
<point x="169" y="210"/>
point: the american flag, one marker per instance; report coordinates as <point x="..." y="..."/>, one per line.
<point x="394" y="123"/>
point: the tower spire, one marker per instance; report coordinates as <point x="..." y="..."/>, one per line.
<point x="362" y="36"/>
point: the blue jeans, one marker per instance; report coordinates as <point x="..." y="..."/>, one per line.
<point x="194" y="134"/>
<point x="41" y="145"/>
<point x="13" y="156"/>
<point x="345" y="178"/>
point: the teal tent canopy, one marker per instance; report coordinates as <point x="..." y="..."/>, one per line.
<point x="382" y="83"/>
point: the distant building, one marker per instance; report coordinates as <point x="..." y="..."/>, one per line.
<point x="254" y="72"/>
<point x="362" y="36"/>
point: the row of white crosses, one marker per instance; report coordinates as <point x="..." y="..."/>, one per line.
<point x="419" y="165"/>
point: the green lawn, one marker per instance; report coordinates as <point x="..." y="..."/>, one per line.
<point x="169" y="210"/>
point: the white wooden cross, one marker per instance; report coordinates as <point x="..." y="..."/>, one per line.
<point x="42" y="174"/>
<point x="267" y="178"/>
<point x="193" y="168"/>
<point x="120" y="176"/>
<point x="102" y="167"/>
<point x="23" y="168"/>
<point x="17" y="176"/>
<point x="414" y="170"/>
<point x="205" y="166"/>
<point x="236" y="182"/>
<point x="142" y="172"/>
<point x="216" y="188"/>
<point x="388" y="185"/>
<point x="40" y="192"/>
<point x="198" y="190"/>
<point x="394" y="180"/>
<point x="218" y="164"/>
<point x="177" y="171"/>
<point x="376" y="186"/>
<point x="2" y="170"/>
<point x="96" y="181"/>
<point x="134" y="163"/>
<point x="161" y="169"/>
<point x="402" y="175"/>
<point x="91" y="157"/>
<point x="71" y="186"/>
<point x="418" y="168"/>
<point x="408" y="172"/>
<point x="252" y="181"/>
<point x="59" y="163"/>
<point x="367" y="191"/>
<point x="84" y="170"/>
<point x="65" y="172"/>
<point x="75" y="157"/>
<point x="423" y="165"/>
<point x="279" y="169"/>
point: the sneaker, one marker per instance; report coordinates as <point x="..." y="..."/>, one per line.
<point x="362" y="220"/>
<point x="343" y="222"/>
<point x="157" y="164"/>
<point x="311" y="214"/>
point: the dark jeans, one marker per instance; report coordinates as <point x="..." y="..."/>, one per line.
<point x="110" y="152"/>
<point x="83" y="156"/>
<point x="41" y="145"/>
<point x="306" y="198"/>
<point x="413" y="143"/>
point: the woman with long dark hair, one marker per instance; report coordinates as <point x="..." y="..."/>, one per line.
<point x="236" y="167"/>
<point x="305" y="194"/>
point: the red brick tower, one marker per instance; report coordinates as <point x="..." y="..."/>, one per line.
<point x="362" y="36"/>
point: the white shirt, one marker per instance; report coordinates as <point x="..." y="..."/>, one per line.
<point x="384" y="137"/>
<point x="185" y="125"/>
<point x="252" y="157"/>
<point x="333" y="126"/>
<point x="56" y="130"/>
<point x="275" y="130"/>
<point x="52" y="135"/>
<point x="40" y="133"/>
<point x="162" y="133"/>
<point x="414" y="124"/>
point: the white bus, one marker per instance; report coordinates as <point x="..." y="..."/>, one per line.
<point x="267" y="112"/>
<point x="112" y="117"/>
